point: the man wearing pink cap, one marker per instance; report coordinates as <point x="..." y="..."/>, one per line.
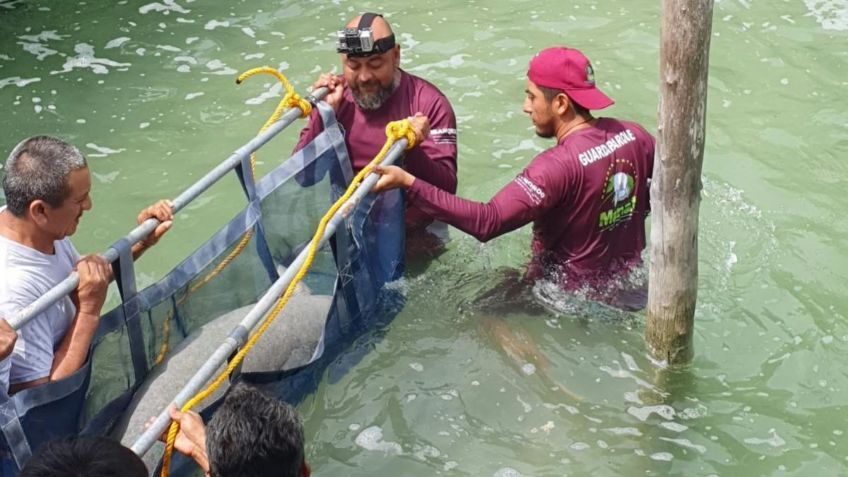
<point x="587" y="196"/>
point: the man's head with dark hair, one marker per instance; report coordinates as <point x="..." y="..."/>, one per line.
<point x="84" y="457"/>
<point x="253" y="435"/>
<point x="38" y="169"/>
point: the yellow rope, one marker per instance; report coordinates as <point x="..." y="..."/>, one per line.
<point x="290" y="100"/>
<point x="395" y="131"/>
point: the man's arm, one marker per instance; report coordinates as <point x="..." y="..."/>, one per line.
<point x="191" y="439"/>
<point x="511" y="208"/>
<point x="436" y="159"/>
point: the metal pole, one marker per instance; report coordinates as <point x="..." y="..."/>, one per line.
<point x="238" y="336"/>
<point x="137" y="234"/>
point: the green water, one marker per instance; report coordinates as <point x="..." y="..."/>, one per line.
<point x="147" y="92"/>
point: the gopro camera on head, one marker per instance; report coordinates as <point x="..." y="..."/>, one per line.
<point x="356" y="41"/>
<point x="360" y="41"/>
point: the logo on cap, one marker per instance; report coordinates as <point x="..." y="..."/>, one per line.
<point x="590" y="75"/>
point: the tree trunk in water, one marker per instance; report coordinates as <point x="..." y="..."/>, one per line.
<point x="676" y="184"/>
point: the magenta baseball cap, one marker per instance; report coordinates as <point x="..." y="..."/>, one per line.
<point x="568" y="70"/>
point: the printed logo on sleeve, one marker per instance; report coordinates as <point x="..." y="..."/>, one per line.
<point x="536" y="194"/>
<point x="444" y="135"/>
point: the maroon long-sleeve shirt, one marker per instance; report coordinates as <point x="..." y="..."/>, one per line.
<point x="587" y="198"/>
<point x="434" y="160"/>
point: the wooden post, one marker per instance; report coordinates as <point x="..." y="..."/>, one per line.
<point x="676" y="186"/>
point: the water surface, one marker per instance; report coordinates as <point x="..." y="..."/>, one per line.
<point x="147" y="91"/>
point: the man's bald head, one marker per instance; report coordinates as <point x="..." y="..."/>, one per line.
<point x="379" y="26"/>
<point x="372" y="75"/>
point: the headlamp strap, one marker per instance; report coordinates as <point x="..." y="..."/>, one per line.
<point x="359" y="41"/>
<point x="367" y="19"/>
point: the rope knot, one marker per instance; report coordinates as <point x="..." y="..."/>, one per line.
<point x="397" y="130"/>
<point x="293" y="100"/>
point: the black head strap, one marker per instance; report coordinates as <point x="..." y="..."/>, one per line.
<point x="367" y="19"/>
<point x="359" y="41"/>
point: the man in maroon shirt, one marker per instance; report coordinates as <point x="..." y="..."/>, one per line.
<point x="587" y="196"/>
<point x="374" y="91"/>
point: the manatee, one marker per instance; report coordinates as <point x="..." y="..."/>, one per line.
<point x="290" y="342"/>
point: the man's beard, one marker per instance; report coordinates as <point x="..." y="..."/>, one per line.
<point x="545" y="133"/>
<point x="373" y="101"/>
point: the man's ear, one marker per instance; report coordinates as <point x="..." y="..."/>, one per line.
<point x="305" y="471"/>
<point x="37" y="211"/>
<point x="396" y="55"/>
<point x="561" y="104"/>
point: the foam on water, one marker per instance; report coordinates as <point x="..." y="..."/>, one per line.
<point x="579" y="446"/>
<point x="85" y="59"/>
<point x="35" y="43"/>
<point x="830" y="14"/>
<point x="218" y="67"/>
<point x="102" y="151"/>
<point x="372" y="439"/>
<point x="524" y="145"/>
<point x="624" y="431"/>
<point x="643" y="413"/>
<point x="774" y="440"/>
<point x="17" y="81"/>
<point x="166" y="7"/>
<point x="274" y="91"/>
<point x="213" y="24"/>
<point x="686" y="444"/>
<point x="453" y="62"/>
<point x="408" y="42"/>
<point x="106" y="178"/>
<point x="507" y="472"/>
<point x="674" y="426"/>
<point x="117" y="42"/>
<point x="10" y="4"/>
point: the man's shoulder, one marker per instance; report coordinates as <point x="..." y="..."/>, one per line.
<point x="21" y="264"/>
<point x="425" y="89"/>
<point x="616" y="124"/>
<point x="554" y="158"/>
<point x="16" y="278"/>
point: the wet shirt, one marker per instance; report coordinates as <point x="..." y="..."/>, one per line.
<point x="587" y="198"/>
<point x="434" y="160"/>
<point x="25" y="275"/>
